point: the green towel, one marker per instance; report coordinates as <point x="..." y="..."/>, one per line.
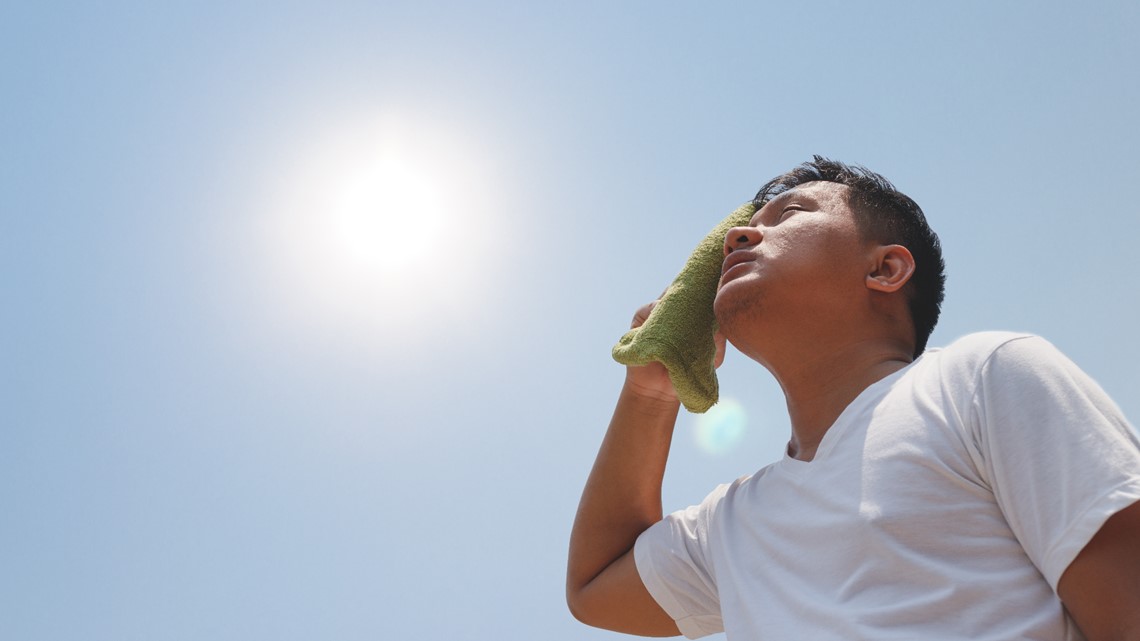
<point x="679" y="331"/>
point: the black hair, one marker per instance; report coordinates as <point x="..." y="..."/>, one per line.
<point x="888" y="216"/>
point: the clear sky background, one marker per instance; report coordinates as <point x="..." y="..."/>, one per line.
<point x="306" y="308"/>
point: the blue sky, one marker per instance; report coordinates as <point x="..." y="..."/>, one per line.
<point x="220" y="418"/>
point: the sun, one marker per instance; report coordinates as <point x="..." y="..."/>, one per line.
<point x="383" y="229"/>
<point x="388" y="212"/>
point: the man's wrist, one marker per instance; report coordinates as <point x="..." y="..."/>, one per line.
<point x="666" y="400"/>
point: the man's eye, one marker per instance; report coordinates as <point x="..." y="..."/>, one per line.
<point x="787" y="212"/>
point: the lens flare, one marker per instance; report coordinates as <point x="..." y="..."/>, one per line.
<point x="721" y="428"/>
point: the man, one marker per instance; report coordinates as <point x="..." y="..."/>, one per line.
<point x="988" y="490"/>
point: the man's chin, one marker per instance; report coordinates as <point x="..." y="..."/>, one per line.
<point x="728" y="307"/>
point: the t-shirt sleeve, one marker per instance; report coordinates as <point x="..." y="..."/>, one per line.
<point x="1060" y="456"/>
<point x="672" y="559"/>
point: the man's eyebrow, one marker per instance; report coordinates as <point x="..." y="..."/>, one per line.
<point x="794" y="192"/>
<point x="784" y="195"/>
<point x="778" y="200"/>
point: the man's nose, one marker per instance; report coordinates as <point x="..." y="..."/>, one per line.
<point x="741" y="237"/>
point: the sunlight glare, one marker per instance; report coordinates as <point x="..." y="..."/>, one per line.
<point x="384" y="230"/>
<point x="387" y="212"/>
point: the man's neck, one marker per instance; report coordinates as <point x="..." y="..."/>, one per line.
<point x="820" y="384"/>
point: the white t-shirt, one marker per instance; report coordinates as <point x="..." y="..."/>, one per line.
<point x="945" y="502"/>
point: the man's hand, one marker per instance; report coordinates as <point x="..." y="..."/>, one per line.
<point x="652" y="380"/>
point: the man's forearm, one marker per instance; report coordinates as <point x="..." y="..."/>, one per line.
<point x="623" y="493"/>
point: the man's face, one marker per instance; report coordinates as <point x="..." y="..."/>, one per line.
<point x="801" y="259"/>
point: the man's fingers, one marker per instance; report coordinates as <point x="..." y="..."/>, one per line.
<point x="642" y="314"/>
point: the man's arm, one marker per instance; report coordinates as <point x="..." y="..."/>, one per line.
<point x="621" y="500"/>
<point x="1101" y="587"/>
<point x="1059" y="455"/>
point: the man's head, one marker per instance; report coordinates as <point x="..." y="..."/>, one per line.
<point x="886" y="216"/>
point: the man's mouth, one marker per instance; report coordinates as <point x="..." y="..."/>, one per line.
<point x="737" y="257"/>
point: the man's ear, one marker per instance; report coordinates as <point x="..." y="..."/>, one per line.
<point x="892" y="267"/>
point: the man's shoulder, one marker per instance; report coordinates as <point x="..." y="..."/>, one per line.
<point x="974" y="353"/>
<point x="967" y="355"/>
<point x="979" y="346"/>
